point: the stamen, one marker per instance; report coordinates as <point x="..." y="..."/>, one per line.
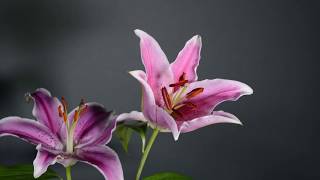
<point x="176" y="114"/>
<point x="60" y="111"/>
<point x="194" y="92"/>
<point x="182" y="81"/>
<point x="65" y="118"/>
<point x="166" y="98"/>
<point x="64" y="103"/>
<point x="179" y="84"/>
<point x="76" y="116"/>
<point x="81" y="109"/>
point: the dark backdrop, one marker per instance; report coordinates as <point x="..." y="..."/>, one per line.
<point x="85" y="49"/>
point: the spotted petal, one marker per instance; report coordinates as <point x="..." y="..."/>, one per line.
<point x="214" y="118"/>
<point x="156" y="64"/>
<point x="187" y="60"/>
<point x="29" y="130"/>
<point x="104" y="159"/>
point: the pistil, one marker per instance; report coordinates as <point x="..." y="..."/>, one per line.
<point x="70" y="125"/>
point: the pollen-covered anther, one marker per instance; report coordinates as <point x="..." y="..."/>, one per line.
<point x="194" y="92"/>
<point x="64" y="104"/>
<point x="76" y="116"/>
<point x="182" y="82"/>
<point x="166" y="98"/>
<point x="81" y="109"/>
<point x="179" y="84"/>
<point x="60" y="111"/>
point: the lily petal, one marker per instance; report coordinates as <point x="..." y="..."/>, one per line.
<point x="133" y="115"/>
<point x="46" y="109"/>
<point x="156" y="115"/>
<point x="215" y="92"/>
<point x="42" y="161"/>
<point x="29" y="130"/>
<point x="187" y="60"/>
<point x="155" y="62"/>
<point x="104" y="159"/>
<point x="166" y="123"/>
<point x="214" y="118"/>
<point x="148" y="101"/>
<point x="95" y="126"/>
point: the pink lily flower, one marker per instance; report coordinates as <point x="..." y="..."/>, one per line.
<point x="173" y="99"/>
<point x="66" y="138"/>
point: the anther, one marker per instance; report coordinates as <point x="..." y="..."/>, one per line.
<point x="76" y="116"/>
<point x="179" y="84"/>
<point x="166" y="98"/>
<point x="60" y="111"/>
<point x="176" y="114"/>
<point x="194" y="92"/>
<point x="64" y="103"/>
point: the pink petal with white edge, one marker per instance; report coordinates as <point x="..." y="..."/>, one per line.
<point x="187" y="60"/>
<point x="42" y="161"/>
<point x="215" y="92"/>
<point x="157" y="116"/>
<point x="214" y="118"/>
<point x="29" y="130"/>
<point x="45" y="109"/>
<point x="104" y="159"/>
<point x="156" y="64"/>
<point x="148" y="100"/>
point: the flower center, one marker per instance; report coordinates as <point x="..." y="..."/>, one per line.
<point x="174" y="101"/>
<point x="71" y="124"/>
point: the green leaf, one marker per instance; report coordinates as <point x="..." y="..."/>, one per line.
<point x="168" y="176"/>
<point x="24" y="172"/>
<point x="124" y="133"/>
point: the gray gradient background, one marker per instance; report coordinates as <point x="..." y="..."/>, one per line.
<point x="86" y="48"/>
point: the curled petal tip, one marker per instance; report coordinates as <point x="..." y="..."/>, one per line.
<point x="248" y="90"/>
<point x="197" y="38"/>
<point x="139" y="33"/>
<point x="238" y="122"/>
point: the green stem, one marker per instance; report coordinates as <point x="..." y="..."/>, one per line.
<point x="68" y="173"/>
<point x="146" y="152"/>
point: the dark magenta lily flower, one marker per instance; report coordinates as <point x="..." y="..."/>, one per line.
<point x="66" y="138"/>
<point x="173" y="98"/>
